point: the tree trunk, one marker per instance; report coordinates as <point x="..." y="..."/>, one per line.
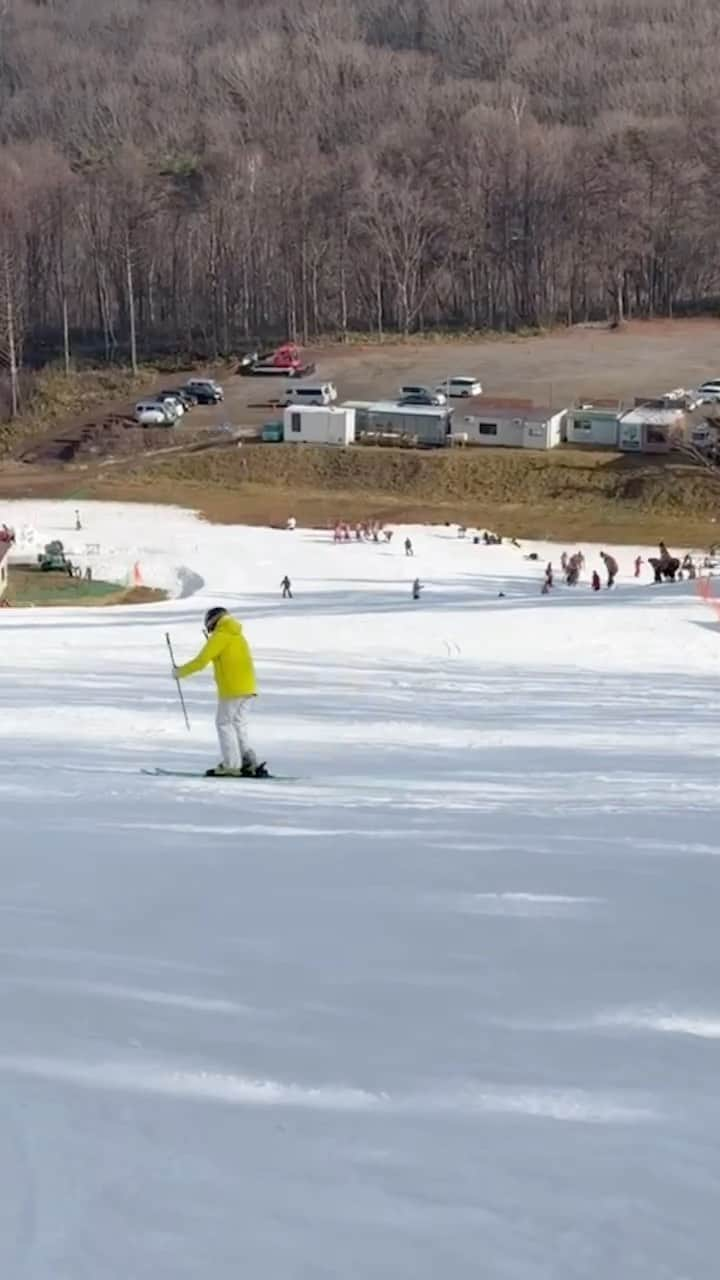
<point x="66" y="332"/>
<point x="131" y="306"/>
<point x="343" y="297"/>
<point x="12" y="358"/>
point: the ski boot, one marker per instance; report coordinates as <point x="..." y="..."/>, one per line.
<point x="251" y="768"/>
<point x="222" y="771"/>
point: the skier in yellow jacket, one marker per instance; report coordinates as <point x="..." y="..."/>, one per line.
<point x="227" y="649"/>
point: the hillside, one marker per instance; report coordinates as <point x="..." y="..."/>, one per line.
<point x="492" y="165"/>
<point x="562" y="493"/>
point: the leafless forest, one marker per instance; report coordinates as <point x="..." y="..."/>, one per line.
<point x="194" y="174"/>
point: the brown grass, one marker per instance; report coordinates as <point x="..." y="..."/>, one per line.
<point x="28" y="588"/>
<point x="560" y="494"/>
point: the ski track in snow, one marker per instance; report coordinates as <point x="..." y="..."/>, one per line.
<point x="445" y="1002"/>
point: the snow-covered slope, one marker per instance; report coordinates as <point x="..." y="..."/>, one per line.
<point x="446" y="1004"/>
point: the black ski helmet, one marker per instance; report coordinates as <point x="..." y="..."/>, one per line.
<point x="212" y="617"/>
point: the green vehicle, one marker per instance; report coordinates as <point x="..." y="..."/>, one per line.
<point x="273" y="433"/>
<point x="53" y="557"/>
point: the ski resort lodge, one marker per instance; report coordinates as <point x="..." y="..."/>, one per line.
<point x="594" y="423"/>
<point x="426" y="424"/>
<point x="512" y="425"/>
<point x="651" y="427"/>
<point x="319" y="424"/>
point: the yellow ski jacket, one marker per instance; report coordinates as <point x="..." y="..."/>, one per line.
<point x="230" y="655"/>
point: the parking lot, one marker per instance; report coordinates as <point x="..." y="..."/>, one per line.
<point x="644" y="359"/>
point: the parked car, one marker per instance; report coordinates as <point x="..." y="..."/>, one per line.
<point x="205" y="390"/>
<point x="179" y="393"/>
<point x="709" y="391"/>
<point x="431" y="397"/>
<point x="424" y="397"/>
<point x="153" y="413"/>
<point x="170" y="397"/>
<point x="323" y="393"/>
<point x="460" y="387"/>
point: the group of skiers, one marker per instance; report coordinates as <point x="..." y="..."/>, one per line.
<point x="665" y="567"/>
<point x="363" y="531"/>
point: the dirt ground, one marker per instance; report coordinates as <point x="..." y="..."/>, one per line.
<point x="644" y="358"/>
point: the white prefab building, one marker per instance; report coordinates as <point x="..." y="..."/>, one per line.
<point x="649" y="429"/>
<point x="593" y="423"/>
<point x="506" y="427"/>
<point x="316" y="424"/>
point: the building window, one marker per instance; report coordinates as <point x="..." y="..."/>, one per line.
<point x="583" y="425"/>
<point x="656" y="435"/>
<point x="295" y="422"/>
<point x="487" y="428"/>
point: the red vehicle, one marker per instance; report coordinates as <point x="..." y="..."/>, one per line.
<point x="285" y="361"/>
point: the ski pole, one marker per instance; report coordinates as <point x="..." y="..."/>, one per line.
<point x="180" y="692"/>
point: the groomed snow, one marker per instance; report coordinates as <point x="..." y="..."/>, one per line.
<point x="446" y="1004"/>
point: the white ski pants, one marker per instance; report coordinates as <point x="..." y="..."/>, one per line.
<point x="232" y="731"/>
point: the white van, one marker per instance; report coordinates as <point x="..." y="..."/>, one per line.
<point x="323" y="393"/>
<point x="154" y="413"/>
<point x="460" y="387"/>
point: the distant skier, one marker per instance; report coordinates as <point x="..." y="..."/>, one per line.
<point x="228" y="650"/>
<point x="656" y="565"/>
<point x="409" y="548"/>
<point x="416" y="589"/>
<point x="291" y="523"/>
<point x="548" y="575"/>
<point x="572" y="573"/>
<point x="78" y="522"/>
<point x="286" y="588"/>
<point x="688" y="565"/>
<point x="564" y="561"/>
<point x="639" y="562"/>
<point x="595" y="582"/>
<point x="611" y="565"/>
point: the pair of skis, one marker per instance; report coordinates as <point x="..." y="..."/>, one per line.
<point x="189" y="773"/>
